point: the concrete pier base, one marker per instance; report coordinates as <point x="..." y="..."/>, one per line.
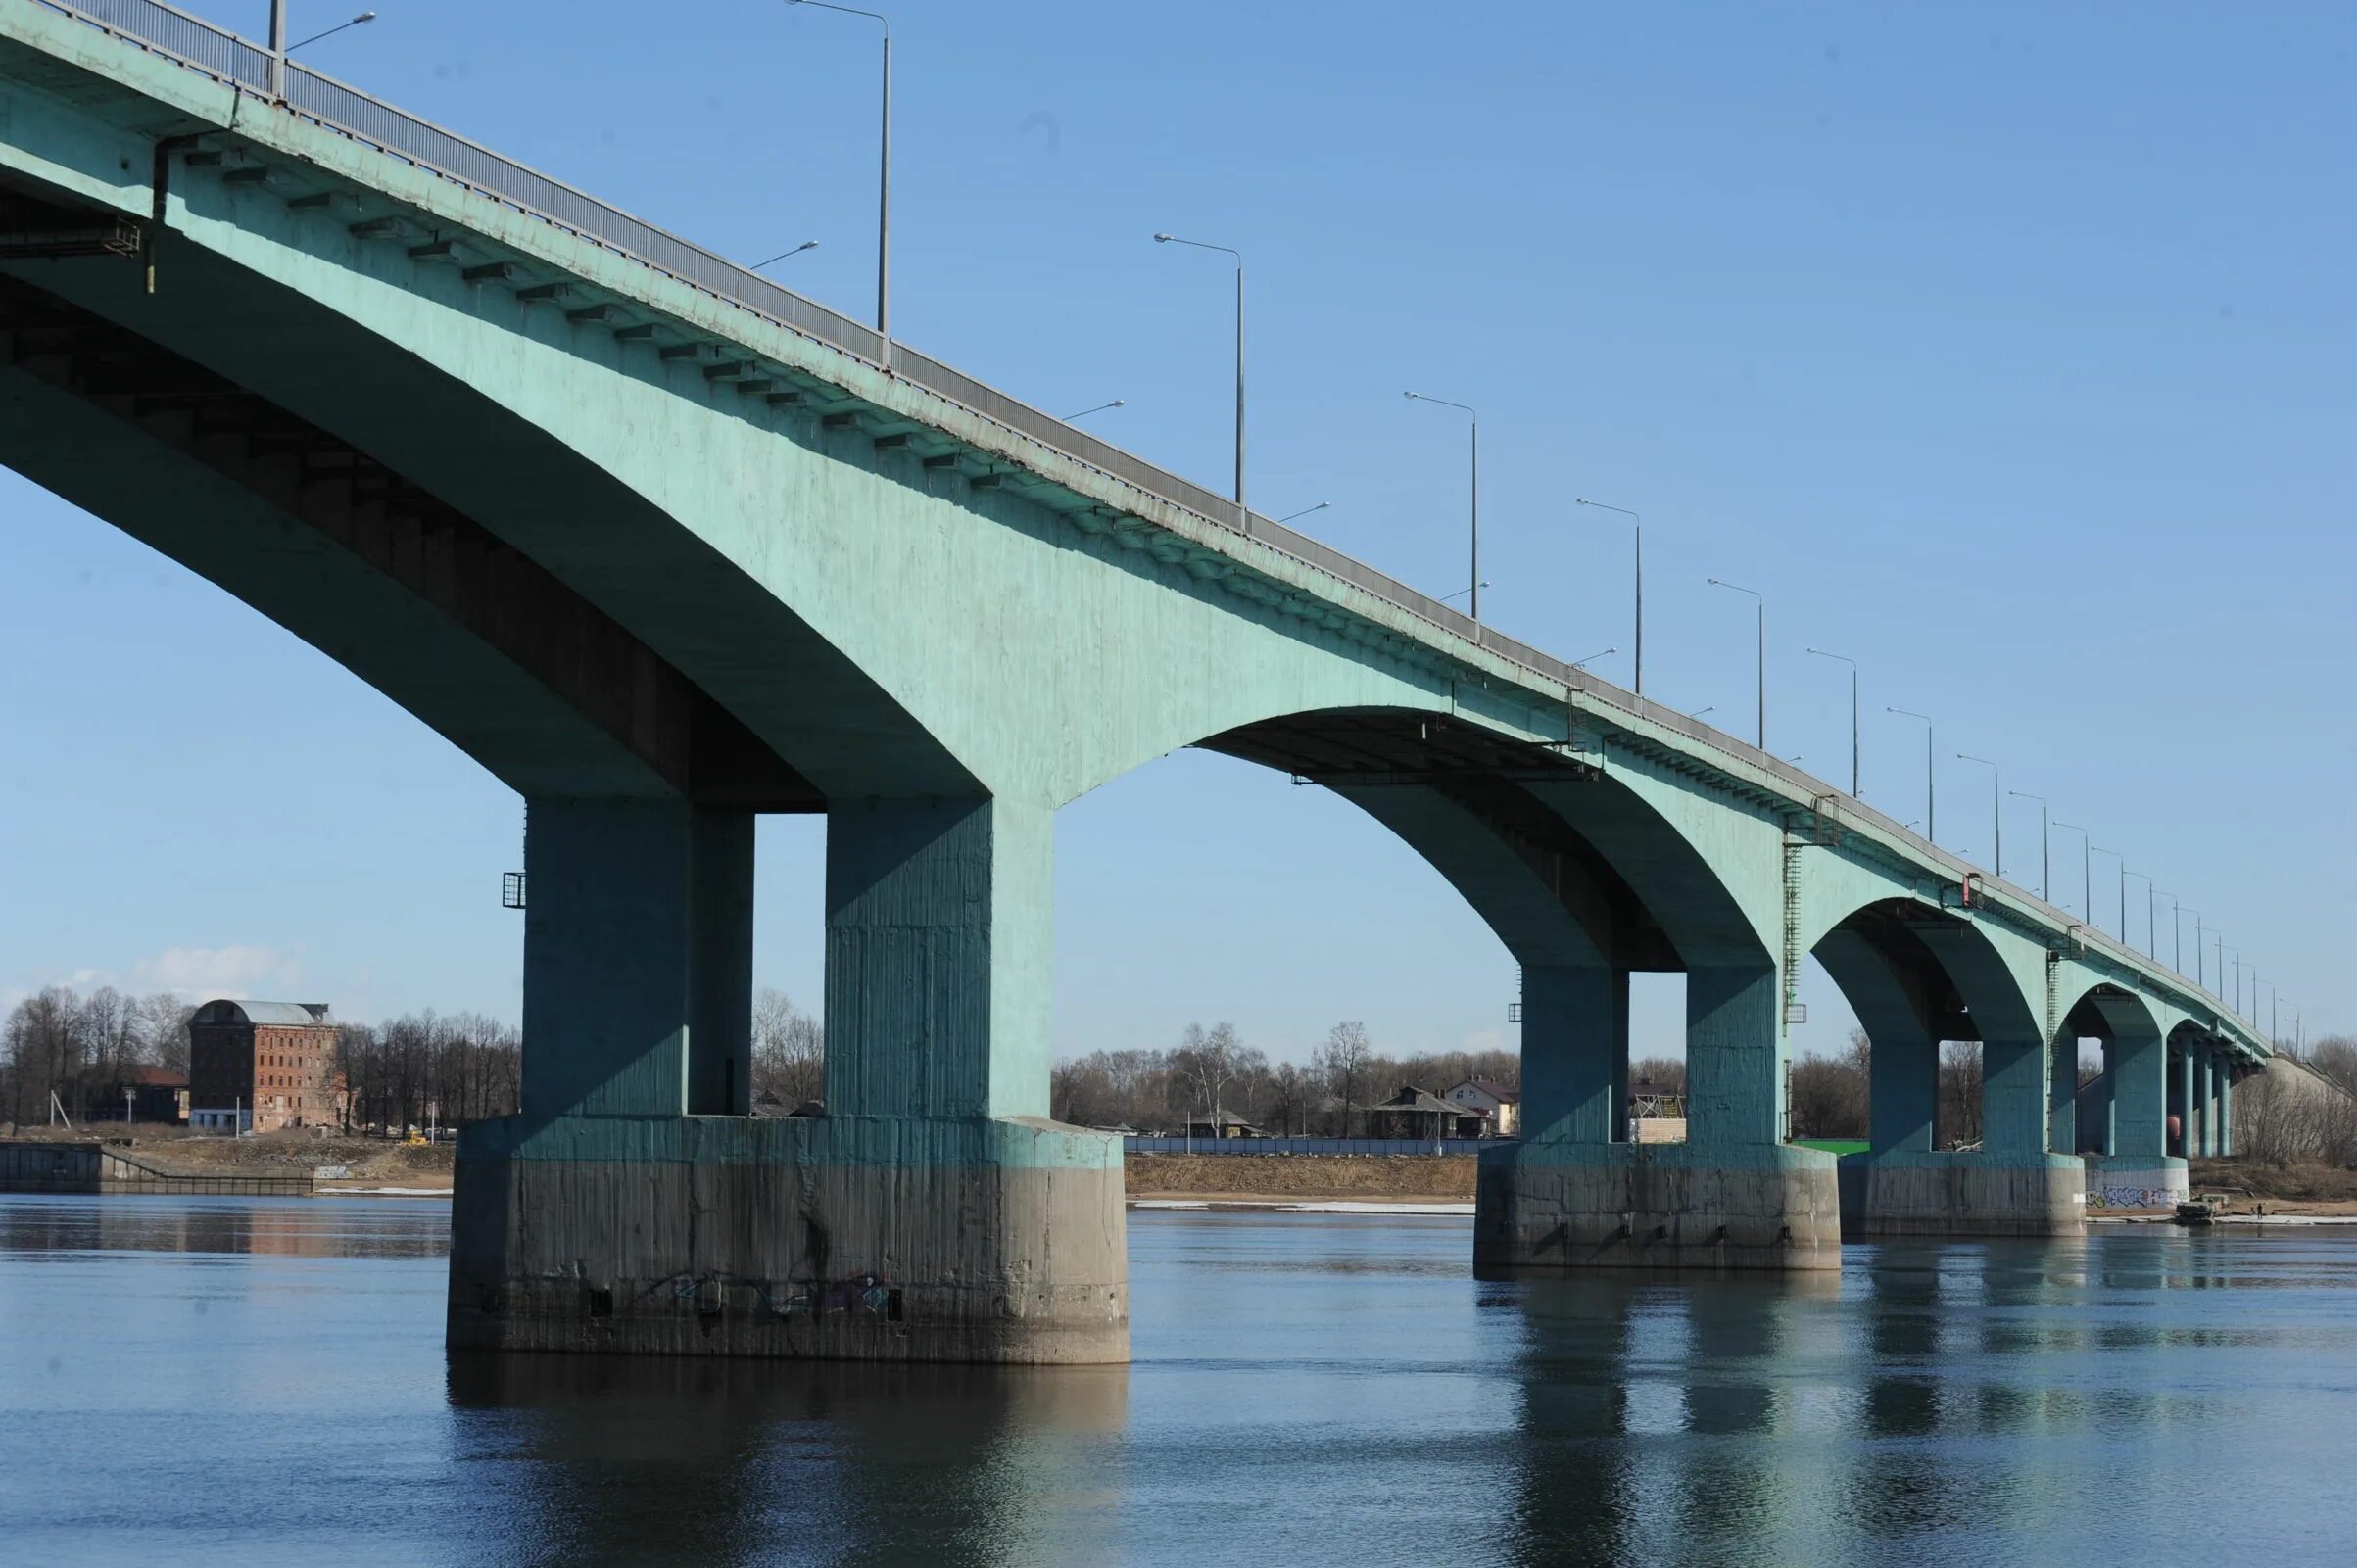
<point x="1550" y="1204"/>
<point x="1923" y="1192"/>
<point x="847" y="1238"/>
<point x="2137" y="1181"/>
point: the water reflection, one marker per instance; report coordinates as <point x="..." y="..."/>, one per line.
<point x="1308" y="1389"/>
<point x="790" y="1462"/>
<point x="34" y="1228"/>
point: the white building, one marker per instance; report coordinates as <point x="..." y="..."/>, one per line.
<point x="1501" y="1104"/>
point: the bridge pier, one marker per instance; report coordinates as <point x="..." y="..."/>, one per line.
<point x="2135" y="1170"/>
<point x="932" y="1213"/>
<point x="1574" y="1194"/>
<point x="2012" y="1185"/>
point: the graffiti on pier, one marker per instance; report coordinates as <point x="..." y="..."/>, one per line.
<point x="2131" y="1198"/>
<point x="865" y="1295"/>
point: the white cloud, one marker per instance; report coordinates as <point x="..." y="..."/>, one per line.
<point x="200" y="973"/>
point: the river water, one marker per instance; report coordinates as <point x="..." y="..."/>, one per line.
<point x="263" y="1382"/>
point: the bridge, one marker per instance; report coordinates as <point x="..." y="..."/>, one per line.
<point x="663" y="545"/>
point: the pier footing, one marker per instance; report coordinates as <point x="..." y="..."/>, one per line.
<point x="2137" y="1181"/>
<point x="1920" y="1191"/>
<point x="1563" y="1204"/>
<point x="847" y="1238"/>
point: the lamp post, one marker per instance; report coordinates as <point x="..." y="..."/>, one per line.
<point x="1475" y="577"/>
<point x="1577" y="664"/>
<point x="1759" y="611"/>
<point x="1305" y="511"/>
<point x="2045" y="843"/>
<point x="362" y="17"/>
<point x="1117" y="402"/>
<point x="1931" y="793"/>
<point x="1639" y="525"/>
<point x="2151" y="910"/>
<point x="806" y="245"/>
<point x="1855" y="792"/>
<point x="2151" y="936"/>
<point x="1230" y="249"/>
<point x="2237" y="954"/>
<point x="1463" y="591"/>
<point x="2098" y="849"/>
<point x="2177" y="920"/>
<point x="884" y="180"/>
<point x="2086" y="868"/>
<point x="1997" y="809"/>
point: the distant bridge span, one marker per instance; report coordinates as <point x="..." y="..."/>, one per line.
<point x="663" y="545"/>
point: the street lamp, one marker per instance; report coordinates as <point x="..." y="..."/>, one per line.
<point x="2176" y="934"/>
<point x="2045" y="843"/>
<point x="1577" y="664"/>
<point x="1699" y="712"/>
<point x="1117" y="402"/>
<point x="2086" y="858"/>
<point x="2151" y="938"/>
<point x="1475" y="610"/>
<point x="2151" y="906"/>
<point x="1759" y="609"/>
<point x="364" y="17"/>
<point x="884" y="182"/>
<point x="1230" y="249"/>
<point x="2098" y="849"/>
<point x="1931" y="793"/>
<point x="806" y="245"/>
<point x="1305" y="511"/>
<point x="1463" y="591"/>
<point x="1638" y="524"/>
<point x="1996" y="807"/>
<point x="1855" y="792"/>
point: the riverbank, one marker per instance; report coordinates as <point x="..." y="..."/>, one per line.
<point x="1381" y="1181"/>
<point x="368" y="1164"/>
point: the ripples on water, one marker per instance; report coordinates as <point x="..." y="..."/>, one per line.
<point x="263" y="1382"/>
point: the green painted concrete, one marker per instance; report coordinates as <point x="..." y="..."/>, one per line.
<point x="945" y="662"/>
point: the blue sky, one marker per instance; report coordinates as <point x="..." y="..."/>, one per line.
<point x="2003" y="347"/>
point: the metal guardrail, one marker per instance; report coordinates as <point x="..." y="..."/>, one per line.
<point x="200" y="45"/>
<point x="1156" y="1144"/>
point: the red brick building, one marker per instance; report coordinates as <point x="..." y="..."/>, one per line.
<point x="262" y="1065"/>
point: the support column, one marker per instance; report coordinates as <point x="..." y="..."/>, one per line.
<point x="1575" y="1052"/>
<point x="2226" y="1110"/>
<point x="2186" y="1103"/>
<point x="2015" y="1085"/>
<point x="2212" y="1074"/>
<point x="913" y="1220"/>
<point x="638" y="958"/>
<point x="2062" y="1095"/>
<point x="939" y="952"/>
<point x="1902" y="1087"/>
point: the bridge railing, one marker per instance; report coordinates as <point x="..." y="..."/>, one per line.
<point x="200" y="45"/>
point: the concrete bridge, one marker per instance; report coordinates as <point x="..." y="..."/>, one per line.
<point x="663" y="545"/>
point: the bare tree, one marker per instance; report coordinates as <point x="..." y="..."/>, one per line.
<point x="1342" y="1060"/>
<point x="790" y="1050"/>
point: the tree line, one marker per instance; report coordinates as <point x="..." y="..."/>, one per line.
<point x="414" y="1069"/>
<point x="1212" y="1071"/>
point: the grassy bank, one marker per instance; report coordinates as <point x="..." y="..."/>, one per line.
<point x="1402" y="1178"/>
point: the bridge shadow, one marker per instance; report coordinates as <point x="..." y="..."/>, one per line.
<point x="628" y="1459"/>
